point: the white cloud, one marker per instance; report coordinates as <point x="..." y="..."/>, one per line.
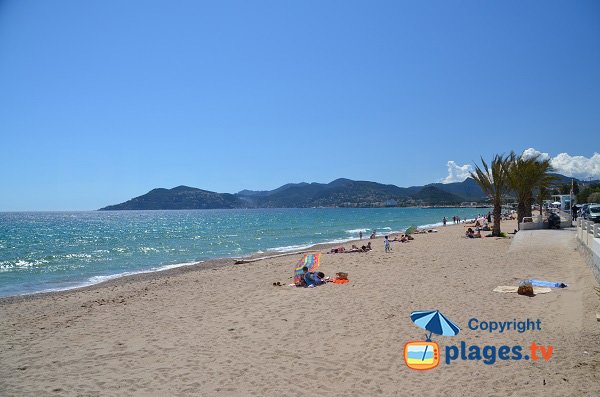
<point x="574" y="166"/>
<point x="457" y="173"/>
<point x="577" y="166"/>
<point x="531" y="152"/>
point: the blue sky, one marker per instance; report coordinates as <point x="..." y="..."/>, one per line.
<point x="101" y="101"/>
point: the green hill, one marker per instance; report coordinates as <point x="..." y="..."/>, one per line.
<point x="339" y="193"/>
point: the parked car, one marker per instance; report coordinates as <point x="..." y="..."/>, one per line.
<point x="594" y="213"/>
<point x="583" y="212"/>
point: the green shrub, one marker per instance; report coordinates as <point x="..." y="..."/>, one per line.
<point x="594" y="197"/>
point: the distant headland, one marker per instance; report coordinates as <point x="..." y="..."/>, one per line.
<point x="338" y="193"/>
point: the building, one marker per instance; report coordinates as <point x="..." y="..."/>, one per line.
<point x="563" y="199"/>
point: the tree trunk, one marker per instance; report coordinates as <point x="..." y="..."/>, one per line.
<point x="497" y="213"/>
<point x="520" y="211"/>
<point x="528" y="206"/>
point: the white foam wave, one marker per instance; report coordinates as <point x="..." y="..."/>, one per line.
<point x="430" y="225"/>
<point x="100" y="279"/>
<point x="145" y="250"/>
<point x="289" y="248"/>
<point x="356" y="231"/>
<point x="78" y="256"/>
<point x="6" y="266"/>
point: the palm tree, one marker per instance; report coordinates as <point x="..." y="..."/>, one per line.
<point x="524" y="176"/>
<point x="543" y="186"/>
<point x="493" y="181"/>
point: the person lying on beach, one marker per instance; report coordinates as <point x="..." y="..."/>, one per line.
<point x="302" y="281"/>
<point x="314" y="279"/>
<point x="355" y="249"/>
<point x="423" y="231"/>
<point x="337" y="250"/>
<point x="367" y="247"/>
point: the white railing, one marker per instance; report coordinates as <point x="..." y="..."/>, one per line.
<point x="587" y="230"/>
<point x="588" y="234"/>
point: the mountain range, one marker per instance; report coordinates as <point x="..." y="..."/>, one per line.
<point x="338" y="193"/>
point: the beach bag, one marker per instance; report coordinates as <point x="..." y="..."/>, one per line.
<point x="525" y="288"/>
<point x="342" y="276"/>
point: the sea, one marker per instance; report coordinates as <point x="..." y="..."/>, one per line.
<point x="54" y="251"/>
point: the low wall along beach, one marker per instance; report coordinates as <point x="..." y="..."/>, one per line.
<point x="588" y="235"/>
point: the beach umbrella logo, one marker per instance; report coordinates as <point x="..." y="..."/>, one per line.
<point x="423" y="355"/>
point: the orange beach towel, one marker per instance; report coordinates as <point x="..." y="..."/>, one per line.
<point x="338" y="281"/>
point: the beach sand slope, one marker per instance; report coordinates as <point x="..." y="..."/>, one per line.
<point x="227" y="331"/>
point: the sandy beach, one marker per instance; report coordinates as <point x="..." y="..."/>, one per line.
<point x="220" y="329"/>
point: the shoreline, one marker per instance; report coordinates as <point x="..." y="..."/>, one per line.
<point x="175" y="269"/>
<point x="144" y="276"/>
<point x="225" y="329"/>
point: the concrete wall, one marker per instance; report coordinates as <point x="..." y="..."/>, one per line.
<point x="588" y="234"/>
<point x="537" y="222"/>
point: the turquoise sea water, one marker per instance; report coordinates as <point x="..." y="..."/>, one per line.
<point x="46" y="251"/>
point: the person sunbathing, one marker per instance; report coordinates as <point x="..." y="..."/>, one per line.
<point x="314" y="279"/>
<point x="403" y="238"/>
<point x="355" y="249"/>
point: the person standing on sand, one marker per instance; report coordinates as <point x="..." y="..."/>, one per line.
<point x="360" y="234"/>
<point x="444" y="221"/>
<point x="386" y="243"/>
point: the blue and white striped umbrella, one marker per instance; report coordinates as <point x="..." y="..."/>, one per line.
<point x="434" y="322"/>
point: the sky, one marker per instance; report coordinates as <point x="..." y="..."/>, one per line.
<point x="102" y="101"/>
